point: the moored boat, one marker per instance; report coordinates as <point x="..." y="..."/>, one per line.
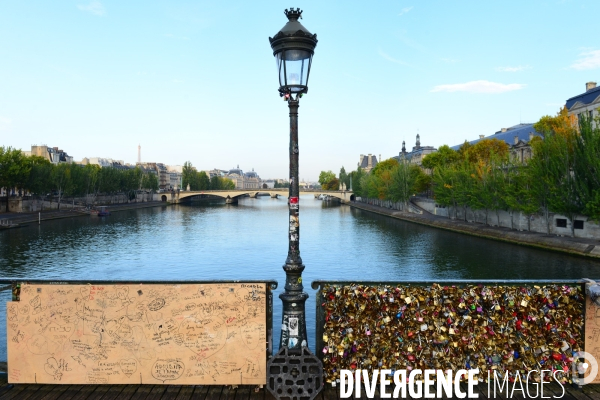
<point x="103" y="212"/>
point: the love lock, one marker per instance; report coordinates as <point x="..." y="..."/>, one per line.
<point x="294" y="376"/>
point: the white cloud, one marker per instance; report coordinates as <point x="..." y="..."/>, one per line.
<point x="95" y="7"/>
<point x="588" y="60"/>
<point x="478" y="87"/>
<point x="390" y="58"/>
<point x="405" y="10"/>
<point x="513" y="69"/>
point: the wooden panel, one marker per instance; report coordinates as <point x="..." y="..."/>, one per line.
<point x="208" y="334"/>
<point x="592" y="332"/>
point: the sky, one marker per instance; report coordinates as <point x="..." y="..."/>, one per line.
<point x="196" y="80"/>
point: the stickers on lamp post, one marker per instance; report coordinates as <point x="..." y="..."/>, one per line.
<point x="293" y="203"/>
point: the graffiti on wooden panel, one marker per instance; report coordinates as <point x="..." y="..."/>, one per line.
<point x="592" y="331"/>
<point x="168" y="334"/>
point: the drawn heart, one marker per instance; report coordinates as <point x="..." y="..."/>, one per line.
<point x="203" y="337"/>
<point x="128" y="366"/>
<point x="85" y="292"/>
<point x="51" y="366"/>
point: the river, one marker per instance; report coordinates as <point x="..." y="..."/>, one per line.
<point x="202" y="241"/>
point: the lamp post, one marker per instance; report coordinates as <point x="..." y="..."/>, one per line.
<point x="293" y="47"/>
<point x="294" y="372"/>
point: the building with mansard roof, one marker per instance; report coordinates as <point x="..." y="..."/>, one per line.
<point x="249" y="180"/>
<point x="516" y="137"/>
<point x="368" y="162"/>
<point x="416" y="155"/>
<point x="586" y="103"/>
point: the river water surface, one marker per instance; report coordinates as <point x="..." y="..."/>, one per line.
<point x="249" y="241"/>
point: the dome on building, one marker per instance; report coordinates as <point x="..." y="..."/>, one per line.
<point x="236" y="171"/>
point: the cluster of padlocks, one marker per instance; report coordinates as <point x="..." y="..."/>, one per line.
<point x="503" y="328"/>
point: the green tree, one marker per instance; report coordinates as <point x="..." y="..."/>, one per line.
<point x="344" y="178"/>
<point x="355" y="180"/>
<point x="39" y="176"/>
<point x="61" y="179"/>
<point x="404" y="179"/>
<point x="150" y="181"/>
<point x="485" y="149"/>
<point x="564" y="197"/>
<point x="188" y="175"/>
<point x="380" y="180"/>
<point x="541" y="179"/>
<point x="14" y="170"/>
<point x="586" y="167"/>
<point x="444" y="157"/>
<point x="203" y="181"/>
<point x="333" y="184"/>
<point x="325" y="177"/>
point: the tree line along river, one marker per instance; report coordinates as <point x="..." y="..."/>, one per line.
<point x="201" y="241"/>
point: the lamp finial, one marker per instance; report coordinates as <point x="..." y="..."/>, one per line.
<point x="293" y="15"/>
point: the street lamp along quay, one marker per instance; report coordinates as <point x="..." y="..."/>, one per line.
<point x="294" y="372"/>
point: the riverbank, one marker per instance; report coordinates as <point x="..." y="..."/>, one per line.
<point x="16" y="220"/>
<point x="578" y="246"/>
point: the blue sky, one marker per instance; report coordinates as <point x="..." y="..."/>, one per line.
<point x="196" y="80"/>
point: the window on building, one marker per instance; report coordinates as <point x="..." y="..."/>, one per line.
<point x="578" y="224"/>
<point x="561" y="223"/>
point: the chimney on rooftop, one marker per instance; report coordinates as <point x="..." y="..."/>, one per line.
<point x="590" y="86"/>
<point x="503" y="130"/>
<point x="481" y="136"/>
<point x="530" y="136"/>
<point x="369" y="163"/>
<point x="516" y="139"/>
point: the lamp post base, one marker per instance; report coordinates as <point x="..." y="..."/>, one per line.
<point x="294" y="375"/>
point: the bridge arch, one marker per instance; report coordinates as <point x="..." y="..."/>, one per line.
<point x="232" y="196"/>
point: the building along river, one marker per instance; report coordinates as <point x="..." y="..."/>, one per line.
<point x="203" y="241"/>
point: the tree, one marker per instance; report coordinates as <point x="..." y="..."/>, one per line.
<point x="188" y="175"/>
<point x="444" y="157"/>
<point x="283" y="185"/>
<point x="355" y="180"/>
<point x="61" y="179"/>
<point x="14" y="170"/>
<point x="203" y="181"/>
<point x="333" y="184"/>
<point x="485" y="149"/>
<point x="563" y="198"/>
<point x="325" y="177"/>
<point x="150" y="181"/>
<point x="562" y="124"/>
<point x="587" y="166"/>
<point x="380" y="180"/>
<point x="227" y="184"/>
<point x="39" y="176"/>
<point x="404" y="178"/>
<point x="344" y="178"/>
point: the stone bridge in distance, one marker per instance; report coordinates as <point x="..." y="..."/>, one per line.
<point x="232" y="196"/>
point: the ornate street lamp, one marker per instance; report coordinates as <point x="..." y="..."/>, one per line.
<point x="294" y="372"/>
<point x="293" y="48"/>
